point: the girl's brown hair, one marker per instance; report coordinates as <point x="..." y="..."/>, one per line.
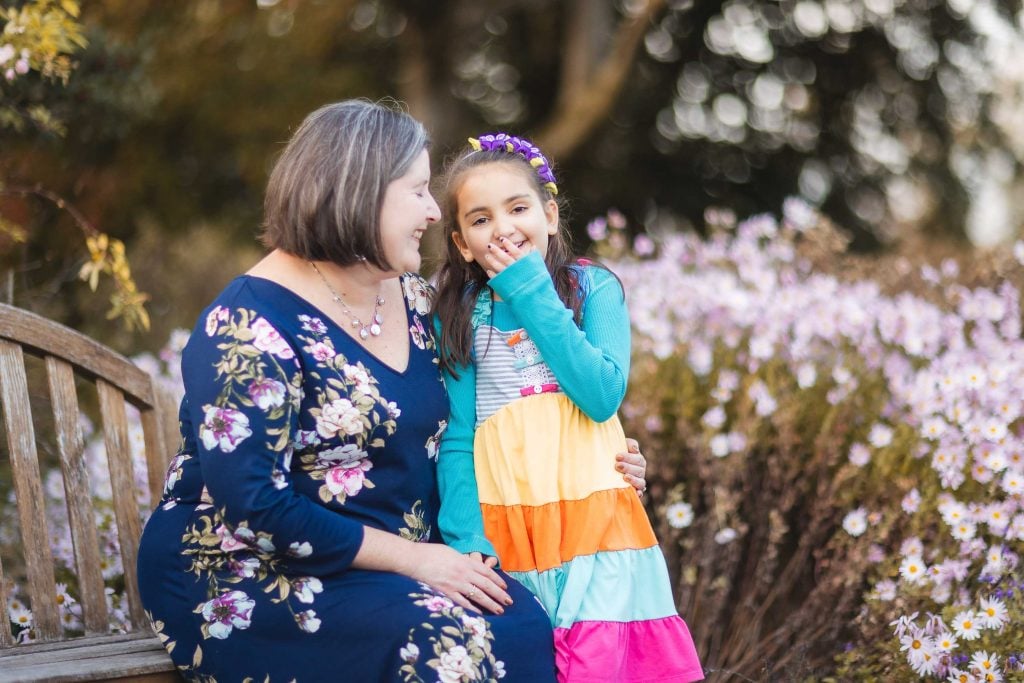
<point x="459" y="281"/>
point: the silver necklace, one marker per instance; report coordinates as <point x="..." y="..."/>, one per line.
<point x="364" y="330"/>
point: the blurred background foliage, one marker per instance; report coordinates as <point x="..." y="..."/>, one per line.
<point x="901" y="119"/>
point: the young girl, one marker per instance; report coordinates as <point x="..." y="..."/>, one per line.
<point x="535" y="351"/>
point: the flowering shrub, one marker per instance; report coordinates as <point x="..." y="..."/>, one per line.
<point x="836" y="450"/>
<point x="830" y="459"/>
<point x="166" y="369"/>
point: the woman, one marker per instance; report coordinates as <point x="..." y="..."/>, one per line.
<point x="291" y="542"/>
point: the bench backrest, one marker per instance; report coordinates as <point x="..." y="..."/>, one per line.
<point x="67" y="354"/>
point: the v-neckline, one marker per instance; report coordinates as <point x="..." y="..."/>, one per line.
<point x="328" y="320"/>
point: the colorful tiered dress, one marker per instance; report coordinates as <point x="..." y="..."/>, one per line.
<point x="533" y="437"/>
<point x="296" y="438"/>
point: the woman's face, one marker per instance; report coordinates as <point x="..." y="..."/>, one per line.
<point x="408" y="210"/>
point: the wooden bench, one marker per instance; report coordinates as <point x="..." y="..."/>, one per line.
<point x="66" y="355"/>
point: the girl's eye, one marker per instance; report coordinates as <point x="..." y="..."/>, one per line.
<point x="479" y="221"/>
<point x="520" y="208"/>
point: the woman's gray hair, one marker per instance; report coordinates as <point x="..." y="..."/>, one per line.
<point x="325" y="194"/>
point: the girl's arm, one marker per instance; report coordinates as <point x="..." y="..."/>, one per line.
<point x="592" y="362"/>
<point x="460" y="519"/>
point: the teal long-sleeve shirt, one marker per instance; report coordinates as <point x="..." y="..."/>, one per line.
<point x="590" y="361"/>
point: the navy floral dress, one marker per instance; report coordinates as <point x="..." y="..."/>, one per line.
<point x="295" y="438"/>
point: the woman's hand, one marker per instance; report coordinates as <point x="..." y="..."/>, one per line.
<point x="633" y="466"/>
<point x="467" y="580"/>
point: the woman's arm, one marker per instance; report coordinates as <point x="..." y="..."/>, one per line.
<point x="242" y="380"/>
<point x="242" y="385"/>
<point x="464" y="579"/>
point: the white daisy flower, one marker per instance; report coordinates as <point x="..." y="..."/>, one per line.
<point x="994" y="429"/>
<point x="964" y="530"/>
<point x="860" y="454"/>
<point x="993" y="613"/>
<point x="719" y="445"/>
<point x="933" y="428"/>
<point x="966" y="625"/>
<point x="856" y="522"/>
<point x="986" y="664"/>
<point x="1012" y="483"/>
<point x="880" y="435"/>
<point x="945" y="642"/>
<point x="913" y="569"/>
<point x="680" y="515"/>
<point x="886" y="590"/>
<point x="911" y="501"/>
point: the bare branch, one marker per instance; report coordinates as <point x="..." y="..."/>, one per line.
<point x="586" y="101"/>
<point x="39" y="191"/>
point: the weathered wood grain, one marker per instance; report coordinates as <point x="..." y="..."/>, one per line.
<point x="67" y="354"/>
<point x="28" y="491"/>
<point x="81" y="515"/>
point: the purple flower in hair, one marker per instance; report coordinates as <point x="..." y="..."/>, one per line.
<point x="521" y="146"/>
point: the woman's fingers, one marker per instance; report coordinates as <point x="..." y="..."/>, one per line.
<point x="468" y="580"/>
<point x="633" y="466"/>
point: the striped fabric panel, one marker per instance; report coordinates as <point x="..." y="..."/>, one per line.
<point x="497" y="380"/>
<point x="545" y="536"/>
<point x="627" y="585"/>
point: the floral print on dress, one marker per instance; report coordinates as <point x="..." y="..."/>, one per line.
<point x="349" y="408"/>
<point x="224" y="613"/>
<point x="253" y="380"/>
<point x="461" y="643"/>
<point x="418" y="295"/>
<point x="417" y="528"/>
<point x="433" y="444"/>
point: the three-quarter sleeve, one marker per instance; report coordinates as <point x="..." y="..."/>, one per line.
<point x="243" y="384"/>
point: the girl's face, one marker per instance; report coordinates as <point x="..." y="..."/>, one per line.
<point x="407" y="211"/>
<point x="497" y="200"/>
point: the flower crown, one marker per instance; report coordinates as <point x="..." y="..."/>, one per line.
<point x="521" y="146"/>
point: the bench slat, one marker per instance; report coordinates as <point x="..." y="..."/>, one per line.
<point x="168" y="407"/>
<point x="95" y="360"/>
<point x="6" y="635"/>
<point x="156" y="460"/>
<point x="70" y="356"/>
<point x="81" y="514"/>
<point x="28" y="490"/>
<point x="122" y="484"/>
<point x="89" y="659"/>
